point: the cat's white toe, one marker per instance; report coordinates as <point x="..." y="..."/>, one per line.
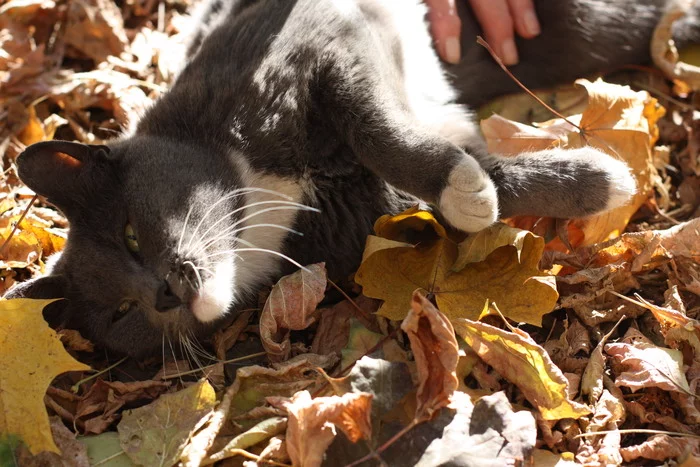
<point x="623" y="186"/>
<point x="469" y="202"/>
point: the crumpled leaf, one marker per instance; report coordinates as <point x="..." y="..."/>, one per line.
<point x="311" y="423"/>
<point x="618" y="121"/>
<point x="32" y="356"/>
<point x="291" y="306"/>
<point x="484" y="434"/>
<point x="73" y="451"/>
<point x="508" y="275"/>
<point x="524" y="363"/>
<point x="649" y="366"/>
<point x="435" y="349"/>
<point x="155" y="434"/>
<point x="100" y="406"/>
<point x="660" y="448"/>
<point x="95" y="28"/>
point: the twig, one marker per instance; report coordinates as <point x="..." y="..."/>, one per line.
<point x="14" y="229"/>
<point x="638" y="430"/>
<point x="76" y="387"/>
<point x="233" y="360"/>
<point x="480" y="40"/>
<point x="384" y="446"/>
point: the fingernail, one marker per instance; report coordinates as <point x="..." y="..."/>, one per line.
<point x="532" y="26"/>
<point x="452" y="50"/>
<point x="509" y="54"/>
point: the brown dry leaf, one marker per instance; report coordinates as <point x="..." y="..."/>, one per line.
<point x="32" y="356"/>
<point x="649" y="366"/>
<point x="435" y="350"/>
<point x="618" y="121"/>
<point x="96" y="29"/>
<point x="524" y="363"/>
<point x="310" y="426"/>
<point x="74" y="341"/>
<point x="508" y="275"/>
<point x="73" y="451"/>
<point x="291" y="306"/>
<point x="662" y="447"/>
<point x="100" y="406"/>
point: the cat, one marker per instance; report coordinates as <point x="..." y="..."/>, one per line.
<point x="291" y="128"/>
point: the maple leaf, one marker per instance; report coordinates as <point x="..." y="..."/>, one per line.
<point x="32" y="356"/>
<point x="508" y="275"/>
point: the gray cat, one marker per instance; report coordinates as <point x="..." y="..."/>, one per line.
<point x="293" y="126"/>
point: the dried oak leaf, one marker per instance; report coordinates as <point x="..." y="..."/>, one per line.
<point x="291" y="306"/>
<point x="520" y="360"/>
<point x="312" y="422"/>
<point x="649" y="366"/>
<point x="32" y="356"/>
<point x="156" y="433"/>
<point x="618" y="121"/>
<point x="264" y="430"/>
<point x="435" y="349"/>
<point x="392" y="269"/>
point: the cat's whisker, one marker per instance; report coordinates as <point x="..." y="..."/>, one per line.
<point x="184" y="229"/>
<point x="272" y="252"/>
<point x="172" y="352"/>
<point x="218" y="253"/>
<point x="230" y="230"/>
<point x="192" y="355"/>
<point x="197" y="346"/>
<point x="184" y="350"/>
<point x="228" y="196"/>
<point x="274" y="226"/>
<point x="251" y="205"/>
<point x="195" y="269"/>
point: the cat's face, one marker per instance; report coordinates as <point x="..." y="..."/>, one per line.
<point x="151" y="247"/>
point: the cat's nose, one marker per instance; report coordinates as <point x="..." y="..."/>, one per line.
<point x="165" y="298"/>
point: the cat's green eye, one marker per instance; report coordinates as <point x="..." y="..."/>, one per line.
<point x="132" y="243"/>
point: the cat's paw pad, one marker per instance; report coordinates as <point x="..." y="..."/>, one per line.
<point x="469" y="201"/>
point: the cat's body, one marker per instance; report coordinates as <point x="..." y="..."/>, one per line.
<point x="315" y="116"/>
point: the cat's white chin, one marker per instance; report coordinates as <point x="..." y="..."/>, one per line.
<point x="216" y="295"/>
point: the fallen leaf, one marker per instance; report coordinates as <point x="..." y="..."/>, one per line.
<point x="618" y="121"/>
<point x="291" y="306"/>
<point x="260" y="432"/>
<point x="96" y="29"/>
<point x="508" y="275"/>
<point x="155" y="434"/>
<point x="660" y="448"/>
<point x="32" y="356"/>
<point x="100" y="406"/>
<point x="524" y="363"/>
<point x="484" y="434"/>
<point x="105" y="449"/>
<point x="649" y="366"/>
<point x="73" y="451"/>
<point x="435" y="350"/>
<point x="311" y="423"/>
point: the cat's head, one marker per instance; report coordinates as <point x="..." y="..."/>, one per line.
<point x="152" y="239"/>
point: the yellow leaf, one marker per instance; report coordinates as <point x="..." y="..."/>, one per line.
<point x="32" y="356"/>
<point x="479" y="245"/>
<point x="507" y="275"/>
<point x="516" y="357"/>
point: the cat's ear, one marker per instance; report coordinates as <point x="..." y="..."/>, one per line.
<point x="61" y="170"/>
<point x="53" y="286"/>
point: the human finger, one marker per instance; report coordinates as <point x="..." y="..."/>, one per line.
<point x="496" y="21"/>
<point x="446" y="28"/>
<point x="524" y="17"/>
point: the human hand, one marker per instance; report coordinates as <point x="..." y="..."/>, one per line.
<point x="500" y="20"/>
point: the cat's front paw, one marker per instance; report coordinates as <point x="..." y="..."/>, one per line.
<point x="469" y="201"/>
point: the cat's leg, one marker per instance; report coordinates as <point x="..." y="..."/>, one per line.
<point x="392" y="144"/>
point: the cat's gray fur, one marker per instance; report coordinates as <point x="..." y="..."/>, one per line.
<point x="339" y="105"/>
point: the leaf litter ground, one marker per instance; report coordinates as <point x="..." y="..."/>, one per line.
<point x="535" y="341"/>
